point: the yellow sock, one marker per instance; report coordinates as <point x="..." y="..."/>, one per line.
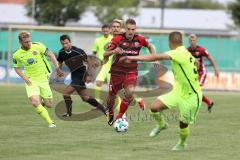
<point x="158" y="116"/>
<point x="44" y="114"/>
<point x="184" y="133"/>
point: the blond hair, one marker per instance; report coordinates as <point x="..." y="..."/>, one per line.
<point x="118" y="21"/>
<point x="192" y="36"/>
<point x="22" y="35"/>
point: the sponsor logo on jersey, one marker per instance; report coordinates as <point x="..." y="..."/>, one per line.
<point x="30" y="61"/>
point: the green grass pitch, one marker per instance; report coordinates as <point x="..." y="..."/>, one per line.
<point x="24" y="136"/>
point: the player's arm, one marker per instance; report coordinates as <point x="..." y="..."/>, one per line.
<point x="214" y="66"/>
<point x="16" y="65"/>
<point x="209" y="57"/>
<point x="151" y="49"/>
<point x="112" y="48"/>
<point x="20" y="73"/>
<point x="55" y="62"/>
<point x="95" y="47"/>
<point x="148" y="58"/>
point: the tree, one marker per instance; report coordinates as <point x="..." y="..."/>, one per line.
<point x="107" y="10"/>
<point x="196" y="4"/>
<point x="234" y="8"/>
<point x="59" y="12"/>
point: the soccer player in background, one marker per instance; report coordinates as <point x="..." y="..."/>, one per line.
<point x="98" y="50"/>
<point x="200" y="53"/>
<point x="124" y="75"/>
<point x="75" y="58"/>
<point x="31" y="55"/>
<point x="186" y="94"/>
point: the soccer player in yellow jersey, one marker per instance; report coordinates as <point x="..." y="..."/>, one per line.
<point x="98" y="50"/>
<point x="186" y="94"/>
<point x="31" y="55"/>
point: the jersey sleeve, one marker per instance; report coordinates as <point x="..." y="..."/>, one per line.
<point x="144" y="41"/>
<point x="175" y="56"/>
<point x="60" y="58"/>
<point x="16" y="62"/>
<point x="43" y="49"/>
<point x="205" y="53"/>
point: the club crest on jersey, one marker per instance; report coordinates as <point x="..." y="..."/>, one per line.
<point x="136" y="44"/>
<point x="34" y="52"/>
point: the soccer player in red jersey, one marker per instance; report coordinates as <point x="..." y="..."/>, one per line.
<point x="124" y="75"/>
<point x="199" y="53"/>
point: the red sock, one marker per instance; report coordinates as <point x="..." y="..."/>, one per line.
<point x="206" y="100"/>
<point x="123" y="108"/>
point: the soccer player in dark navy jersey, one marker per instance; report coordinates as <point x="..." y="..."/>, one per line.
<point x="75" y="58"/>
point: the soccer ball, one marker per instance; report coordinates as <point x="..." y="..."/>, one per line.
<point x="121" y="125"/>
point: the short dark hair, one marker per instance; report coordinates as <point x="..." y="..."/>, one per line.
<point x="105" y="26"/>
<point x="65" y="36"/>
<point x="176" y="37"/>
<point x="130" y="21"/>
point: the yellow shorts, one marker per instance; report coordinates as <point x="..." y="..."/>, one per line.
<point x="104" y="72"/>
<point x="188" y="106"/>
<point x="39" y="88"/>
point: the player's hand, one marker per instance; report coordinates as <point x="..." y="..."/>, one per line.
<point x="59" y="72"/>
<point x="118" y="50"/>
<point x="27" y="81"/>
<point x="88" y="79"/>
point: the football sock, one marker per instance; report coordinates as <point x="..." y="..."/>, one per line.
<point x="184" y="133"/>
<point x="68" y="102"/>
<point x="206" y="100"/>
<point x="159" y="118"/>
<point x="123" y="108"/>
<point x="44" y="114"/>
<point x="95" y="103"/>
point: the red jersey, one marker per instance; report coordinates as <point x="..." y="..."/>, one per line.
<point x="133" y="50"/>
<point x="199" y="53"/>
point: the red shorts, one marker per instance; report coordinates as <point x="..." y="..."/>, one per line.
<point x="118" y="82"/>
<point x="202" y="78"/>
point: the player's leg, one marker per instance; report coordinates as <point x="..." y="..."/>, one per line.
<point x="184" y="132"/>
<point x="166" y="101"/>
<point x="128" y="97"/>
<point x="129" y="83"/>
<point x="33" y="92"/>
<point x="188" y="108"/>
<point x="68" y="100"/>
<point x="46" y="95"/>
<point x="116" y="84"/>
<point x="90" y="100"/>
<point x="209" y="102"/>
<point x="157" y="108"/>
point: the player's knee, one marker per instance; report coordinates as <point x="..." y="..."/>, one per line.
<point x="35" y="102"/>
<point x="85" y="98"/>
<point x="48" y="104"/>
<point x="154" y="108"/>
